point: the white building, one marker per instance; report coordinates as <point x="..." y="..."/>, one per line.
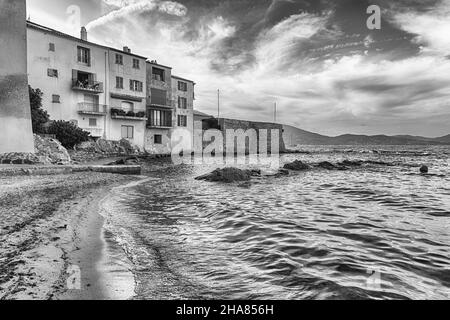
<point x="113" y="94"/>
<point x="183" y="93"/>
<point x="127" y="101"/>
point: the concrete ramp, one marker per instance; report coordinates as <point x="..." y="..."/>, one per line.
<point x="15" y="114"/>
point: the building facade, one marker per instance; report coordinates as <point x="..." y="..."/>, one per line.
<point x="113" y="94"/>
<point x="160" y="110"/>
<point x="127" y="101"/>
<point x="72" y="74"/>
<point x="183" y="93"/>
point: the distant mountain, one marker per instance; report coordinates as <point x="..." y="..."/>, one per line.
<point x="294" y="136"/>
<point x="444" y="139"/>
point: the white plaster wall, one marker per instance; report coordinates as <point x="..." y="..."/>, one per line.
<point x="64" y="59"/>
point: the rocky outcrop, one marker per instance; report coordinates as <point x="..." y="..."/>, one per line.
<point x="50" y="151"/>
<point x="20" y="158"/>
<point x="125" y="162"/>
<point x="229" y="175"/>
<point x="101" y="146"/>
<point x="47" y="151"/>
<point x="296" y="166"/>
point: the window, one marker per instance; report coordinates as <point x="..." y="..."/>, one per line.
<point x="119" y="82"/>
<point x="84" y="55"/>
<point x="91" y="102"/>
<point x="160" y="118"/>
<point x="56" y="98"/>
<point x="119" y="59"/>
<point x="182" y="86"/>
<point x="127" y="106"/>
<point x="158" y="97"/>
<point x="182" y="121"/>
<point x="136" y="86"/>
<point x="136" y="64"/>
<point x="182" y="103"/>
<point x="158" y="139"/>
<point x="92" y="122"/>
<point x="127" y="132"/>
<point x="51" y="47"/>
<point x="158" y="74"/>
<point x="52" y="73"/>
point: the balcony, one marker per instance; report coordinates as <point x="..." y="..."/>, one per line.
<point x="158" y="77"/>
<point x="92" y="109"/>
<point x="87" y="86"/>
<point x="159" y="119"/>
<point x="121" y="114"/>
<point x="95" y="132"/>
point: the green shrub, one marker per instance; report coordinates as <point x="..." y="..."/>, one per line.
<point x="39" y="117"/>
<point x="140" y="114"/>
<point x="131" y="114"/>
<point x="118" y="112"/>
<point x="68" y="134"/>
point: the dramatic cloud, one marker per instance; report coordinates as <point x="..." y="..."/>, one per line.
<point x="432" y="26"/>
<point x="327" y="72"/>
<point x="129" y="7"/>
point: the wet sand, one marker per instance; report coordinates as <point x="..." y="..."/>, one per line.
<point x="51" y="234"/>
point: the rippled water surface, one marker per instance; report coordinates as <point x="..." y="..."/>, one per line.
<point x="376" y="231"/>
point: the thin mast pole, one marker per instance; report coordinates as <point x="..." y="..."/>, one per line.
<point x="218" y="103"/>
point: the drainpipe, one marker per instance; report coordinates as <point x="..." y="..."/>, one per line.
<point x="106" y="90"/>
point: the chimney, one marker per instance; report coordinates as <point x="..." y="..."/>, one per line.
<point x="126" y="49"/>
<point x="84" y="34"/>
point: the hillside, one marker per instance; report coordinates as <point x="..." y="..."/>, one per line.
<point x="294" y="136"/>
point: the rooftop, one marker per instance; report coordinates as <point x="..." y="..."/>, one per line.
<point x="183" y="79"/>
<point x="153" y="62"/>
<point x="57" y="33"/>
<point x="202" y="114"/>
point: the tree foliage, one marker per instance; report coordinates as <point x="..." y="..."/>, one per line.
<point x="39" y="117"/>
<point x="68" y="134"/>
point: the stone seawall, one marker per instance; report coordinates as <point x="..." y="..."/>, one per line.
<point x="258" y="128"/>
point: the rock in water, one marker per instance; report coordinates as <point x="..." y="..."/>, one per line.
<point x="327" y="165"/>
<point x="349" y="163"/>
<point x="296" y="166"/>
<point x="424" y="169"/>
<point x="227" y="175"/>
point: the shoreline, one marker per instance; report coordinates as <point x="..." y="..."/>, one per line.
<point x="51" y="230"/>
<point x="98" y="258"/>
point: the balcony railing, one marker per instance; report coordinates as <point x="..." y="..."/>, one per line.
<point x="157" y="77"/>
<point x="87" y="85"/>
<point x="92" y="108"/>
<point x="122" y="114"/>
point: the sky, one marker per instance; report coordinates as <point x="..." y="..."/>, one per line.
<point x="316" y="59"/>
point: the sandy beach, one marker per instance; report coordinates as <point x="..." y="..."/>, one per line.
<point x="52" y="244"/>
